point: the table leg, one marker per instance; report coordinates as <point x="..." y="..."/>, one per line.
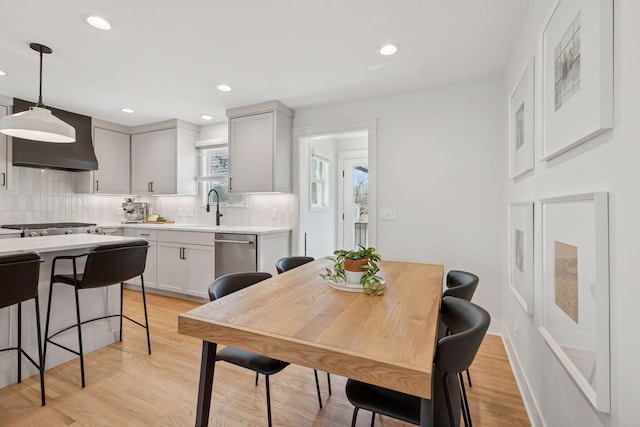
<point x="425" y="413"/>
<point x="205" y="387"/>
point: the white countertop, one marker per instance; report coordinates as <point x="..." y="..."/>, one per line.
<point x="62" y="242"/>
<point x="9" y="231"/>
<point x="239" y="229"/>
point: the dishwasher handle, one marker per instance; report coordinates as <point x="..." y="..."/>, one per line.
<point x="242" y="242"/>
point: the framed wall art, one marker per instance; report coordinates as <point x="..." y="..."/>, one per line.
<point x="575" y="290"/>
<point x="577" y="74"/>
<point x="521" y="114"/>
<point x="521" y="253"/>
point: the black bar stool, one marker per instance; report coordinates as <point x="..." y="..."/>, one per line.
<point x="105" y="265"/>
<point x="19" y="274"/>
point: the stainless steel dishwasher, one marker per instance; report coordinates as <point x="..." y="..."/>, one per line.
<point x="236" y="253"/>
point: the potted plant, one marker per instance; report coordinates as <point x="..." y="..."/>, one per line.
<point x="357" y="266"/>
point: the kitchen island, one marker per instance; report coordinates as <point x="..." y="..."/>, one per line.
<point x="94" y="303"/>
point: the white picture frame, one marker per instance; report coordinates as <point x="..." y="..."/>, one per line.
<point x="521" y="254"/>
<point x="575" y="291"/>
<point x="521" y="123"/>
<point x="576" y="50"/>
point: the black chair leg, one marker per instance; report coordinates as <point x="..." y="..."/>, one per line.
<point x="40" y="357"/>
<point x="20" y="342"/>
<point x="465" y="403"/>
<point x="257" y="378"/>
<point x="354" y="417"/>
<point x="268" y="399"/>
<point x="469" y="378"/>
<point x="329" y="382"/>
<point x="79" y="335"/>
<point x="373" y="419"/>
<point x="121" y="311"/>
<point x="315" y="373"/>
<point x="46" y="329"/>
<point x="146" y="318"/>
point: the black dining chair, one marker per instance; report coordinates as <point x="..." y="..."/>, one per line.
<point x="289" y="263"/>
<point x="105" y="265"/>
<point x="19" y="275"/>
<point x="225" y="285"/>
<point x="461" y="284"/>
<point x="468" y="324"/>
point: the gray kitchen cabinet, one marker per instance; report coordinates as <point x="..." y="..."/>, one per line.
<point x="260" y="148"/>
<point x="113" y="153"/>
<point x="164" y="161"/>
<point x="4" y="110"/>
<point x="186" y="262"/>
<point x="150" y="273"/>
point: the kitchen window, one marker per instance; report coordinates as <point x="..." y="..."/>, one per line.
<point x="213" y="172"/>
<point x="319" y="182"/>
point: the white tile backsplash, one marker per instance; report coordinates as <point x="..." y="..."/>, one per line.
<point x="49" y="196"/>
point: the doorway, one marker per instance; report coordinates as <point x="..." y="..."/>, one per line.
<point x="323" y="228"/>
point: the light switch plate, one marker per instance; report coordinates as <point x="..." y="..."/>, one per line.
<point x="387" y="215"/>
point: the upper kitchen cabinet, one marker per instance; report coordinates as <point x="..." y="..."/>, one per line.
<point x="112" y="146"/>
<point x="4" y="110"/>
<point x="260" y="148"/>
<point x="164" y="161"/>
<point x="112" y="151"/>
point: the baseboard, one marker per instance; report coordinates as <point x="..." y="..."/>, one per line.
<point x="530" y="404"/>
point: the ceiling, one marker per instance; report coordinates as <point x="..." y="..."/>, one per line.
<point x="164" y="58"/>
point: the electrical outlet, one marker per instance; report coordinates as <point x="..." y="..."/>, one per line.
<point x="515" y="331"/>
<point x="387" y="215"/>
<point x="274" y="213"/>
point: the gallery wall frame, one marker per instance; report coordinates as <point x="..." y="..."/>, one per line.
<point x="521" y="123"/>
<point x="576" y="51"/>
<point x="521" y="253"/>
<point x="575" y="290"/>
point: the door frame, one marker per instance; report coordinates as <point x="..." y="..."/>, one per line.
<point x="300" y="136"/>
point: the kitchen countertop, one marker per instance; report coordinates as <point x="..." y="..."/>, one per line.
<point x="61" y="242"/>
<point x="238" y="229"/>
<point x="9" y="231"/>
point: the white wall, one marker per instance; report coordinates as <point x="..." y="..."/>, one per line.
<point x="607" y="163"/>
<point x="441" y="165"/>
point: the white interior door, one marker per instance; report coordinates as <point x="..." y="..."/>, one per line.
<point x="355" y="209"/>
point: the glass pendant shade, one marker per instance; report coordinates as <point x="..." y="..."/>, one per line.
<point x="37" y="124"/>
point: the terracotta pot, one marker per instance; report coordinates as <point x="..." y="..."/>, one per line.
<point x="354" y="264"/>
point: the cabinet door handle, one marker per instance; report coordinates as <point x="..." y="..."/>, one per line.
<point x="4" y="179"/>
<point x="145" y="234"/>
<point x="230" y="186"/>
<point x="152" y="186"/>
<point x="97" y="185"/>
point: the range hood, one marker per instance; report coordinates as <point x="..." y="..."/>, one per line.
<point x="75" y="156"/>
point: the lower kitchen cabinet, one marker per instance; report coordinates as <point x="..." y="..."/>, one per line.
<point x="185" y="268"/>
<point x="186" y="262"/>
<point x="150" y="266"/>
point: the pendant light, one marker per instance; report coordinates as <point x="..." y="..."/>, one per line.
<point x="37" y="123"/>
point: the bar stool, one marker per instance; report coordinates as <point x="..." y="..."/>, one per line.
<point x="105" y="265"/>
<point x="19" y="274"/>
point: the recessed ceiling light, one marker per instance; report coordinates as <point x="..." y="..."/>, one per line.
<point x="206" y="117"/>
<point x="127" y="110"/>
<point x="389" y="49"/>
<point x="97" y="22"/>
<point x="2" y="73"/>
<point x="224" y="88"/>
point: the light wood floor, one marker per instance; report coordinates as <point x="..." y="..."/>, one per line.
<point x="127" y="387"/>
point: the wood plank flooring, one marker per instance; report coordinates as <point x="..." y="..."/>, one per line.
<point x="127" y="387"/>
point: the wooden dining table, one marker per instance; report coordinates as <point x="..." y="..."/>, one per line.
<point x="297" y="317"/>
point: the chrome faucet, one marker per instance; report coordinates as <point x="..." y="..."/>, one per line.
<point x="218" y="214"/>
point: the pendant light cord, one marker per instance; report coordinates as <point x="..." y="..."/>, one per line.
<point x="40" y="104"/>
